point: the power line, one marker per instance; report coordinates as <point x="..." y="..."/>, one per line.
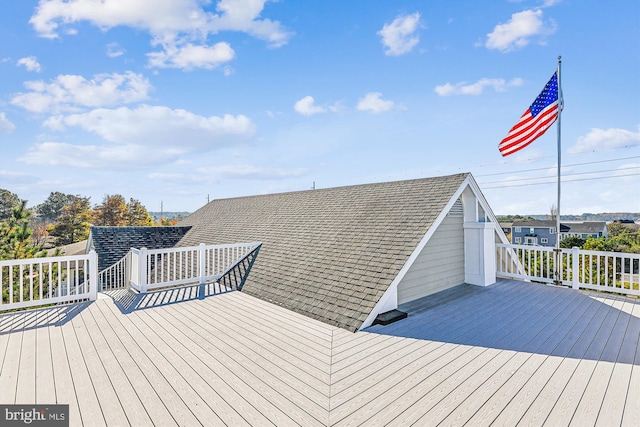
<point x="566" y="174"/>
<point x="554" y="182"/>
<point x="563" y="166"/>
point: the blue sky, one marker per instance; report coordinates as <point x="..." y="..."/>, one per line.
<point x="175" y="101"/>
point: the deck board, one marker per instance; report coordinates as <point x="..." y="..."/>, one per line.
<point x="45" y="385"/>
<point x="169" y="391"/>
<point x="210" y="405"/>
<point x="513" y="353"/>
<point x="111" y="403"/>
<point x="157" y="354"/>
<point x="252" y="380"/>
<point x="10" y="366"/>
<point x="129" y="400"/>
<point x="151" y="406"/>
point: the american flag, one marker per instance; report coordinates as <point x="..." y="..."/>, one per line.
<point x="535" y="121"/>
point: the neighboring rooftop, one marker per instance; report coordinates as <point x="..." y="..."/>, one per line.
<point x="588" y="227"/>
<point x="77" y="248"/>
<point x="510" y="354"/>
<point x="112" y="243"/>
<point x="329" y="254"/>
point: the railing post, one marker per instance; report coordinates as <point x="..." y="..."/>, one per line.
<point x="127" y="267"/>
<point x="575" y="267"/>
<point x="201" y="263"/>
<point x="94" y="280"/>
<point x="142" y="270"/>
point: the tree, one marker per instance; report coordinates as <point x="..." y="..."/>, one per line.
<point x="165" y="222"/>
<point x="572" y="241"/>
<point x="8" y="201"/>
<point x="137" y="214"/>
<point x="40" y="235"/>
<point x="15" y="235"/>
<point x="115" y="211"/>
<point x="51" y="209"/>
<point x="111" y="212"/>
<point x="73" y="223"/>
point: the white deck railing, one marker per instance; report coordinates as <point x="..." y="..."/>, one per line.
<point x="40" y="281"/>
<point x="597" y="270"/>
<point x="117" y="275"/>
<point x="147" y="269"/>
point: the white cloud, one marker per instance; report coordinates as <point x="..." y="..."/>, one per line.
<point x="399" y="36"/>
<point x="30" y="63"/>
<point x="373" y="102"/>
<point x="147" y="135"/>
<point x="306" y="106"/>
<point x="241" y="15"/>
<point x="93" y="156"/>
<point x="159" y="126"/>
<point x="190" y="56"/>
<point x="181" y="27"/>
<point x="114" y="50"/>
<point x="69" y="92"/>
<point x="605" y="139"/>
<point x="462" y="88"/>
<point x="5" y="124"/>
<point x="518" y="32"/>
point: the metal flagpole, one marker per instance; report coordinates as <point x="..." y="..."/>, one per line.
<point x="558" y="253"/>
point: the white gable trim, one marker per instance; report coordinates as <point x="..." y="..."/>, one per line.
<point x="389" y="300"/>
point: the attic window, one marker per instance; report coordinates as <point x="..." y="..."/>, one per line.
<point x="482" y="216"/>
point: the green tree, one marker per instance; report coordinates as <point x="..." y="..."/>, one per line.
<point x="73" y="223"/>
<point x="8" y="201"/>
<point x="112" y="211"/>
<point x="51" y="209"/>
<point x="572" y="241"/>
<point x="15" y="235"/>
<point x="137" y="214"/>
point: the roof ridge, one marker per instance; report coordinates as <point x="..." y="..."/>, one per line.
<point x="340" y="187"/>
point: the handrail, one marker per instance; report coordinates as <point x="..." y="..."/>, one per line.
<point x="35" y="282"/>
<point x="159" y="268"/>
<point x="616" y="272"/>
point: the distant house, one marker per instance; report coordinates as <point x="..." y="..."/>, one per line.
<point x="584" y="229"/>
<point x="544" y="233"/>
<point x="346" y="255"/>
<point x="77" y="248"/>
<point x="506" y="227"/>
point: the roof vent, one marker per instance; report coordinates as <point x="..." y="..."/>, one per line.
<point x="389" y="317"/>
<point x="456" y="209"/>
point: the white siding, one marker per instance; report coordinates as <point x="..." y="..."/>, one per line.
<point x="439" y="266"/>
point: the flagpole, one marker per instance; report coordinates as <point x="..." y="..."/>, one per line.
<point x="560" y="102"/>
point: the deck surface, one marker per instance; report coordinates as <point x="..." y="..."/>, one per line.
<point x="511" y="354"/>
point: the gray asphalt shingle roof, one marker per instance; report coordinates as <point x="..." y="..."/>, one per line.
<point x="329" y="254"/>
<point x="112" y="243"/>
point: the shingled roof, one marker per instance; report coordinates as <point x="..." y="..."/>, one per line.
<point x="329" y="254"/>
<point x="112" y="243"/>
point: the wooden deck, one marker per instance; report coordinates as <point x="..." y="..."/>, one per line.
<point x="511" y="354"/>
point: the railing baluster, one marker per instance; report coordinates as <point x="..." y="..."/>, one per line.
<point x="597" y="270"/>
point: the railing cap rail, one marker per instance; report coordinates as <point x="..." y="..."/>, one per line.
<point x="62" y="258"/>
